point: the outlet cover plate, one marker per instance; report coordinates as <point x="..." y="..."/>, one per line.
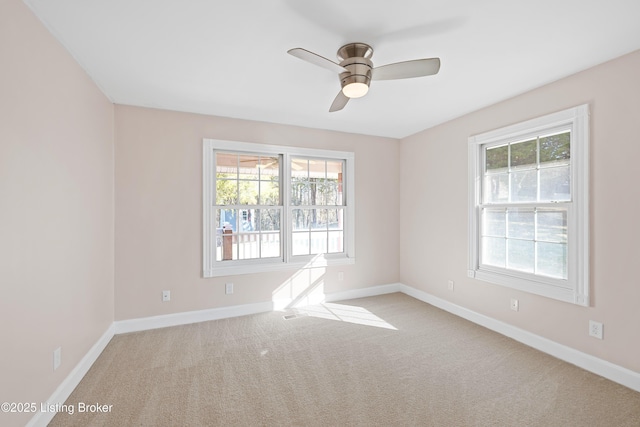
<point x="57" y="358"/>
<point x="596" y="329"/>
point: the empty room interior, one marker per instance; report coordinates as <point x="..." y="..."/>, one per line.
<point x="196" y="230"/>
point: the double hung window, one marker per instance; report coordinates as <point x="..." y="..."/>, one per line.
<point x="271" y="207"/>
<point x="316" y="206"/>
<point x="529" y="206"/>
<point x="247" y="206"/>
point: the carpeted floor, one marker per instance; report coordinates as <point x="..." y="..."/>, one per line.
<point x="388" y="360"/>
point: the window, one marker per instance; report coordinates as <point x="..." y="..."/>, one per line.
<point x="247" y="206"/>
<point x="270" y="207"/>
<point x="528" y="219"/>
<point x="317" y="210"/>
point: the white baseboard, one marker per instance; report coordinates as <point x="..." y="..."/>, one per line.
<point x="187" y="317"/>
<point x="64" y="390"/>
<point x="590" y="363"/>
<point x="616" y="373"/>
<point x="363" y="292"/>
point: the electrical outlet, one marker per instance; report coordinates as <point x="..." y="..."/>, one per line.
<point x="57" y="358"/>
<point x="228" y="288"/>
<point x="450" y="285"/>
<point x="341" y="276"/>
<point x="514" y="304"/>
<point x="595" y="329"/>
<point x="166" y="296"/>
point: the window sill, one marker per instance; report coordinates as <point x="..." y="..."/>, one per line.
<point x="540" y="287"/>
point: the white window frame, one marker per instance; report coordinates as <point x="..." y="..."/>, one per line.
<point x="575" y="289"/>
<point x="213" y="268"/>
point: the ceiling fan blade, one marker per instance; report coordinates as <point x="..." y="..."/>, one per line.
<point x="407" y="69"/>
<point x="339" y="103"/>
<point x="316" y="59"/>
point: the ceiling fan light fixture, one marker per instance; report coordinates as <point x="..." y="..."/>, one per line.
<point x="355" y="83"/>
<point x="355" y="90"/>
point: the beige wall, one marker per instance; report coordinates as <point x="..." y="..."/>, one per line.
<point x="158" y="242"/>
<point x="56" y="211"/>
<point x="433" y="191"/>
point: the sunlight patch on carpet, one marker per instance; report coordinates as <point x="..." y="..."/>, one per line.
<point x="345" y="313"/>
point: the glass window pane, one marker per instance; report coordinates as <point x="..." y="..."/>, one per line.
<point x="319" y="242"/>
<point x="300" y="168"/>
<point x="319" y="218"/>
<point x="228" y="249"/>
<point x="336" y="239"/>
<point x="300" y="182"/>
<point x="555" y="184"/>
<point x="521" y="224"/>
<point x="269" y="167"/>
<point x="248" y="245"/>
<point x="270" y="245"/>
<point x="269" y="219"/>
<point x="524" y="153"/>
<point x="300" y="193"/>
<point x="334" y="170"/>
<point x="248" y="192"/>
<point x="301" y="219"/>
<point x="269" y="181"/>
<point x="249" y="166"/>
<point x="496" y="188"/>
<point x="329" y="192"/>
<point x="317" y="169"/>
<point x="334" y="219"/>
<point x="269" y="193"/>
<point x="227" y="218"/>
<point x="554" y="148"/>
<point x="334" y="181"/>
<point x="247" y="219"/>
<point x="524" y="186"/>
<point x="226" y="179"/>
<point x="520" y="255"/>
<point x="494" y="222"/>
<point x="552" y="259"/>
<point x="226" y="226"/>
<point x="552" y="225"/>
<point x="497" y="157"/>
<point x="331" y="195"/>
<point x="218" y="237"/>
<point x="226" y="192"/>
<point x="300" y="243"/>
<point x="494" y="251"/>
<point x="227" y="163"/>
<point x="317" y="190"/>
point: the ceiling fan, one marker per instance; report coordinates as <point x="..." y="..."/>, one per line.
<point x="356" y="70"/>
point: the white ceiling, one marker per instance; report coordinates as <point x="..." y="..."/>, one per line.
<point x="229" y="58"/>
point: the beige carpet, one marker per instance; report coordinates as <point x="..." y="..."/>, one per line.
<point x="381" y="361"/>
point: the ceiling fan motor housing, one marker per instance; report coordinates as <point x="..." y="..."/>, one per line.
<point x="355" y="58"/>
<point x="355" y="50"/>
<point x="359" y="71"/>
